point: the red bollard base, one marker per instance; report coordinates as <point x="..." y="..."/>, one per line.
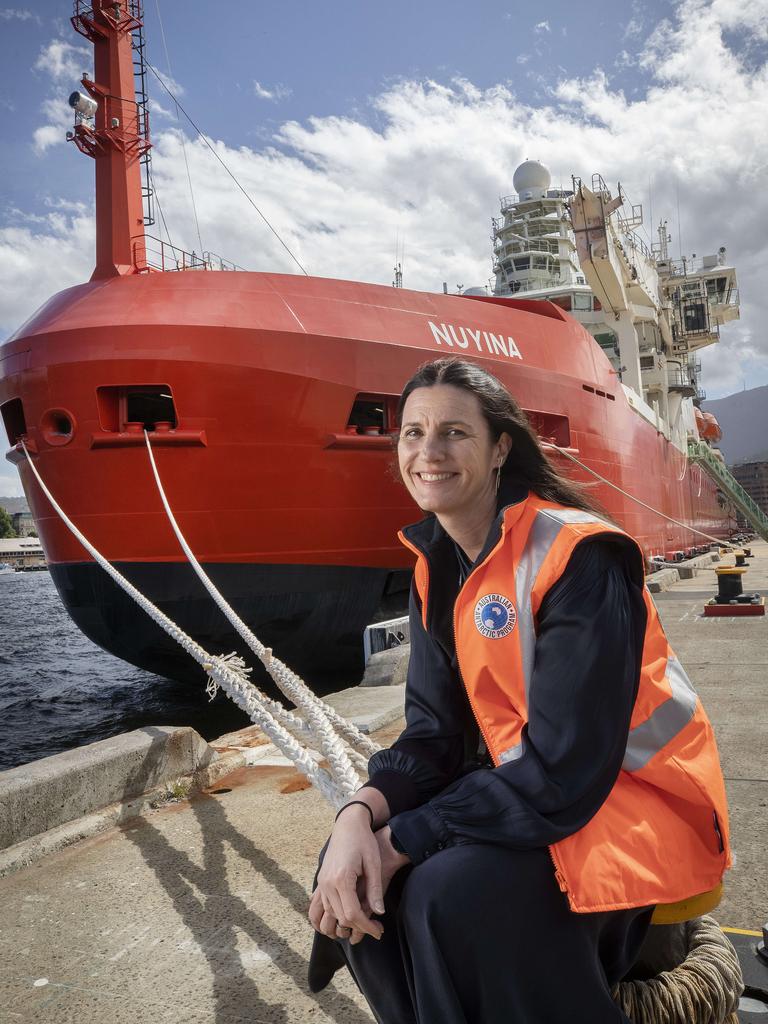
<point x="713" y="609"/>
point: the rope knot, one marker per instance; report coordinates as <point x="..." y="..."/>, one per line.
<point x="232" y="663"/>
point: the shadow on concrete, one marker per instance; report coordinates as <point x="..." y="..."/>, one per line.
<point x="165" y="747"/>
<point x="216" y="918"/>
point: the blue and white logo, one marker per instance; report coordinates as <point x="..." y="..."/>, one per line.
<point x="495" y="616"/>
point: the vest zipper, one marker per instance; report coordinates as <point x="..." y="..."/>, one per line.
<point x="559" y="878"/>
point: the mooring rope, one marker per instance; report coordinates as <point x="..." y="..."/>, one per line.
<point x="703" y="989"/>
<point x="326" y="724"/>
<point x="227" y="671"/>
<point x="632" y="497"/>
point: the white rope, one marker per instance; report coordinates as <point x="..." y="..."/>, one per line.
<point x="563" y="451"/>
<point x="326" y="724"/>
<point x="228" y="671"/>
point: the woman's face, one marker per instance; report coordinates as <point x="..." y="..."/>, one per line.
<point x="448" y="459"/>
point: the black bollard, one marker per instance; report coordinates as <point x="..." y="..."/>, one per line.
<point x="728" y="585"/>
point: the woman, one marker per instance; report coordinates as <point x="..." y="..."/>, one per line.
<point x="557" y="777"/>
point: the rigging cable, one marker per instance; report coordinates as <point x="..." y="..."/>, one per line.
<point x="162" y="216"/>
<point x="229" y="172"/>
<point x="183" y="142"/>
<point x="605" y="480"/>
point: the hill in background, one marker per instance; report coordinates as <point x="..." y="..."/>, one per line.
<point x="744" y="421"/>
<point x="12" y="505"/>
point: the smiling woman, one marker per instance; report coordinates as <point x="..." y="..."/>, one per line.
<point x="557" y="777"/>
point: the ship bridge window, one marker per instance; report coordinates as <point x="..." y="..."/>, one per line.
<point x="563" y="301"/>
<point x="523" y="264"/>
<point x="13" y="420"/>
<point x="582" y="301"/>
<point x="373" y="415"/>
<point x="145" y="404"/>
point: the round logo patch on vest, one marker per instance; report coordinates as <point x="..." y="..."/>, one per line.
<point x="495" y="616"/>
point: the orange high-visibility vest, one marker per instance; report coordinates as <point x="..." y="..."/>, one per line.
<point x="661" y="836"/>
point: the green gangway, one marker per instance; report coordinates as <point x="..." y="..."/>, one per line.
<point x="701" y="454"/>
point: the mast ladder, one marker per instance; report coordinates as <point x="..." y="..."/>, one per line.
<point x="142" y="109"/>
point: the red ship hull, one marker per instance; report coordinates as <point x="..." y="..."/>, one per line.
<point x="294" y="513"/>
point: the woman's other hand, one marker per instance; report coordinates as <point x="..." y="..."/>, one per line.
<point x="349" y="883"/>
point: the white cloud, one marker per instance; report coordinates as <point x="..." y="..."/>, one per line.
<point x="10" y="482"/>
<point x="171" y="86"/>
<point x="633" y="28"/>
<point x="18" y="14"/>
<point x="429" y="161"/>
<point x="39" y="256"/>
<point x="59" y="119"/>
<point x="64" y="61"/>
<point x="542" y="26"/>
<point x="158" y="110"/>
<point x="522" y="58"/>
<point x="275" y="93"/>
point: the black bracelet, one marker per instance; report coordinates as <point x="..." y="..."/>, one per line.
<point x="352" y="804"/>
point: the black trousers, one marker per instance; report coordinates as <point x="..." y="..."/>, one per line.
<point x="482" y="935"/>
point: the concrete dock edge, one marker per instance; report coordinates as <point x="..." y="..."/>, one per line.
<point x="50" y="792"/>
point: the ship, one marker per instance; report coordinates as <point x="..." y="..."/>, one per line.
<point x="270" y="399"/>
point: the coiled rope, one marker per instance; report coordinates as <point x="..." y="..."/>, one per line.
<point x="703" y="989"/>
<point x="231" y="674"/>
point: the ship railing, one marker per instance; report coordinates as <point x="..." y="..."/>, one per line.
<point x="700" y="452"/>
<point x="163" y="256"/>
<point x="686" y="267"/>
<point x="516" y="287"/>
<point x="682" y="380"/>
<point x="507" y="202"/>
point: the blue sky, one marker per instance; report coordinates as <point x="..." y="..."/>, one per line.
<point x="316" y="59"/>
<point x="355" y="125"/>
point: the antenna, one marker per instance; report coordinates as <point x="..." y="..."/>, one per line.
<point x="399" y="260"/>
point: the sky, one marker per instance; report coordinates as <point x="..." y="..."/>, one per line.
<point x="364" y="130"/>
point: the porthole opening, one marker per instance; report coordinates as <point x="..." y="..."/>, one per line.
<point x="57" y="426"/>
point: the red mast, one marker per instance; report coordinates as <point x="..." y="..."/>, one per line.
<point x="116" y="133"/>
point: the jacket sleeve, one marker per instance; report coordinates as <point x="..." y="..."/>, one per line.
<point x="429" y="754"/>
<point x="583" y="688"/>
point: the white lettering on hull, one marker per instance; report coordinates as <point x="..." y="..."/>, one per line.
<point x="495" y="344"/>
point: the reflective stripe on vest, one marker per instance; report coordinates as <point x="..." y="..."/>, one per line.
<point x="649" y="737"/>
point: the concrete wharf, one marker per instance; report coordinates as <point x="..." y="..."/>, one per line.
<point x="195" y="910"/>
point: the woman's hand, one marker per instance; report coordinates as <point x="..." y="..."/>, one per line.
<point x="391" y="860"/>
<point x="349" y="883"/>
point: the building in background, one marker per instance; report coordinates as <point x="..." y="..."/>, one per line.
<point x="23" y="524"/>
<point x="753" y="477"/>
<point x="22" y="553"/>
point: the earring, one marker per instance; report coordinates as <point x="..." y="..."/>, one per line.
<point x="498" y="478"/>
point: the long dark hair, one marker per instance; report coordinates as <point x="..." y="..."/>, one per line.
<point x="526" y="461"/>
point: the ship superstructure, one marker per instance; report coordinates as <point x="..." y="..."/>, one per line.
<point x="650" y="314"/>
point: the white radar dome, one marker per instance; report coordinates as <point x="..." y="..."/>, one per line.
<point x="531" y="180"/>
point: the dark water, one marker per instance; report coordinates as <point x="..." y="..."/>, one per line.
<point x="58" y="690"/>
